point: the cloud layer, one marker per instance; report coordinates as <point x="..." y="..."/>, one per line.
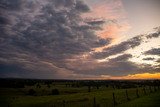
<point x="51" y="39"/>
<point x="33" y="31"/>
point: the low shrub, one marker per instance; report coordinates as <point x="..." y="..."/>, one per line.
<point x="55" y="92"/>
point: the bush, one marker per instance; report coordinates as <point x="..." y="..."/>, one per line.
<point x="38" y="86"/>
<point x="31" y="92"/>
<point x="48" y="86"/>
<point x="55" y="92"/>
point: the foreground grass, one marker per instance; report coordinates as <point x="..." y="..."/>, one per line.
<point x="151" y="100"/>
<point x="82" y="98"/>
<point x="71" y="100"/>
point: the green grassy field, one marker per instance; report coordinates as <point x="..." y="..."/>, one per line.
<point x="69" y="96"/>
<point x="152" y="100"/>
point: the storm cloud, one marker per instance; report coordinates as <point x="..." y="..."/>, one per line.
<point x="154" y="35"/>
<point x="154" y="51"/>
<point x="44" y="30"/>
<point x="116" y="49"/>
<point x="117" y="66"/>
<point x="148" y="59"/>
<point x="52" y="39"/>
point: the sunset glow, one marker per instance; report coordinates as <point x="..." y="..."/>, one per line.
<point x="143" y="76"/>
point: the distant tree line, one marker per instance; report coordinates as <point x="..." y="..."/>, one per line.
<point x="117" y="84"/>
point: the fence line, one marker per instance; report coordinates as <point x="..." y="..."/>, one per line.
<point x="94" y="103"/>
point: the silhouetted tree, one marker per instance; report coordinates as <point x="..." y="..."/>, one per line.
<point x="38" y="85"/>
<point x="48" y="85"/>
<point x="55" y="92"/>
<point x="31" y="92"/>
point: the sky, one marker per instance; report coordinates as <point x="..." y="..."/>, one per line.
<point x="80" y="39"/>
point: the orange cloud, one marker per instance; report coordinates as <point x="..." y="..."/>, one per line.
<point x="113" y="30"/>
<point x="114" y="14"/>
<point x="109" y="31"/>
<point x="107" y="9"/>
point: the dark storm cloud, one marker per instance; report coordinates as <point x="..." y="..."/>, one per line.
<point x="121" y="58"/>
<point x="122" y="66"/>
<point x="55" y="27"/>
<point x="95" y="22"/>
<point x="9" y="71"/>
<point x="11" y="4"/>
<point x="3" y="20"/>
<point x="38" y="36"/>
<point x="118" y="66"/>
<point x="148" y="58"/>
<point x="81" y="6"/>
<point x="17" y="71"/>
<point x="154" y="35"/>
<point x="123" y="46"/>
<point x="126" y="45"/>
<point x="154" y="51"/>
<point x="34" y="32"/>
